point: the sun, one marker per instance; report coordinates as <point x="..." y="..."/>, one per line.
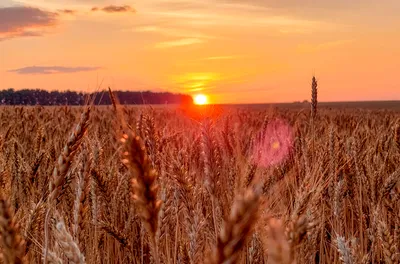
<point x="200" y="99"/>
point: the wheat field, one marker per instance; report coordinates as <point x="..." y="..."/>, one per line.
<point x="128" y="184"/>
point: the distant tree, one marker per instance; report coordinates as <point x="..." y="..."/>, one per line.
<point x="42" y="97"/>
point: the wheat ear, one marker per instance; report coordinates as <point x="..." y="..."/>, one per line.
<point x="236" y="228"/>
<point x="59" y="182"/>
<point x="68" y="245"/>
<point x="144" y="185"/>
<point x="12" y="243"/>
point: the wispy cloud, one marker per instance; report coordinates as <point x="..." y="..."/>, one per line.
<point x="25" y="21"/>
<point x="67" y="11"/>
<point x="52" y="69"/>
<point x="181" y="5"/>
<point x="147" y="28"/>
<point x="308" y="48"/>
<point x="178" y="43"/>
<point x="290" y="4"/>
<point x="342" y="12"/>
<point x="173" y="32"/>
<point x="218" y="58"/>
<point x="228" y="17"/>
<point x="115" y="9"/>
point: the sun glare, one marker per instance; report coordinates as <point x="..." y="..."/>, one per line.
<point x="200" y="99"/>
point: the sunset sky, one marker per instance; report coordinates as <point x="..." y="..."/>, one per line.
<point x="235" y="51"/>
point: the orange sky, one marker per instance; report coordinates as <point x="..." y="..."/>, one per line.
<point x="235" y="51"/>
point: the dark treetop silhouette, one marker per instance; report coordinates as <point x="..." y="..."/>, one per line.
<point x="42" y="97"/>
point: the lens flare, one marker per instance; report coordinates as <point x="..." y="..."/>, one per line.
<point x="274" y="144"/>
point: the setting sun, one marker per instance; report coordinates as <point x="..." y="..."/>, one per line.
<point x="200" y="99"/>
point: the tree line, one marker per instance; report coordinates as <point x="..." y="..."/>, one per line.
<point x="42" y="97"/>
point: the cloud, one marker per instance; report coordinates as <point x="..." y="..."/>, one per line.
<point x="178" y="43"/>
<point x="24" y="21"/>
<point x="235" y="15"/>
<point x="309" y="48"/>
<point x="181" y="5"/>
<point x="219" y="58"/>
<point x="52" y="70"/>
<point x="9" y="36"/>
<point x="171" y="31"/>
<point x="299" y="4"/>
<point x="326" y="10"/>
<point x="67" y="11"/>
<point x="115" y="9"/>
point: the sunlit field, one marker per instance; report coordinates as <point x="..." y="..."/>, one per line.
<point x="171" y="185"/>
<point x="195" y="132"/>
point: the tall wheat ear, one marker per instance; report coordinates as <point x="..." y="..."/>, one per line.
<point x="237" y="228"/>
<point x="144" y="185"/>
<point x="59" y="181"/>
<point x="314" y="96"/>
